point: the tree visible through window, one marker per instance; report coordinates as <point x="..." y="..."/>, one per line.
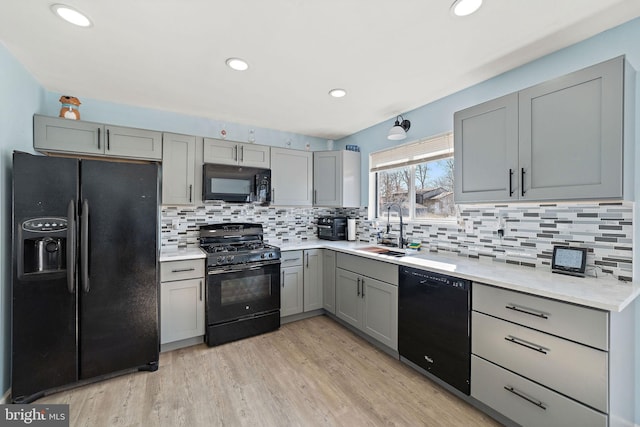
<point x="424" y="191"/>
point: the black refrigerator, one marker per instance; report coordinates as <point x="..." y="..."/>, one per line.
<point x="84" y="284"/>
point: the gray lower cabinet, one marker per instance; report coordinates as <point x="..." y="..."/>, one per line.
<point x="543" y="362"/>
<point x="178" y="169"/>
<point x="313" y="293"/>
<point x="181" y="300"/>
<point x="329" y="280"/>
<point x="367" y="303"/>
<point x="301" y="281"/>
<point x="58" y="135"/>
<point x="291" y="283"/>
<point x="559" y="140"/>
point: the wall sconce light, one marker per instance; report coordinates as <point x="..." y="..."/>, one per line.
<point x="399" y="129"/>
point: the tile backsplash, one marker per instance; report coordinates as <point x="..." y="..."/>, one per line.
<point x="530" y="230"/>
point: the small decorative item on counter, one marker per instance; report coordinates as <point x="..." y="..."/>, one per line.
<point x="353" y="148"/>
<point x="70" y="107"/>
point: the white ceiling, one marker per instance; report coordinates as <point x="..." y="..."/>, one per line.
<point x="390" y="55"/>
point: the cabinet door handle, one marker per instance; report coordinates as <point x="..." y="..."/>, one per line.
<point x="358" y="286"/>
<point x="190" y="193"/>
<point x="521" y="395"/>
<point x="307" y="260"/>
<point x="235" y="153"/>
<point x="510" y="182"/>
<point x="98" y="138"/>
<point x="526" y="311"/>
<point x="108" y="140"/>
<point x="283" y="279"/>
<point x="362" y="283"/>
<point x="242" y="153"/>
<point x="522" y="181"/>
<point x="273" y="195"/>
<point x="315" y="196"/>
<point x="527" y="344"/>
<point x="180" y="270"/>
<point x="200" y="290"/>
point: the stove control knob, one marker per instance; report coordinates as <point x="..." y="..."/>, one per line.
<point x="270" y="254"/>
<point x="261" y="255"/>
<point x="230" y="258"/>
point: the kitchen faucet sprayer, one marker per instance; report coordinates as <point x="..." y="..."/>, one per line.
<point x="401" y="237"/>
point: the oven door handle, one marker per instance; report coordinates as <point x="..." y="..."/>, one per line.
<point x="250" y="267"/>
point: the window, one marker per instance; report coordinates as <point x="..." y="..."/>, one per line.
<point x="414" y="178"/>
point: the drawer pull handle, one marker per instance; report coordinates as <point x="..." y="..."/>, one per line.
<point x="525" y="397"/>
<point x="527" y="344"/>
<point x="522" y="310"/>
<point x="180" y="270"/>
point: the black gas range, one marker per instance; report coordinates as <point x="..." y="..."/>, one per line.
<point x="243" y="282"/>
<point x="235" y="243"/>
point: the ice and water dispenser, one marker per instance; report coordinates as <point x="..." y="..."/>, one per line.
<point x="43" y="244"/>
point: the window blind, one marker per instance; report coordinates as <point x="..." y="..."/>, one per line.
<point x="424" y="150"/>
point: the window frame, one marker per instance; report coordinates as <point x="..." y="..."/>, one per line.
<point x="374" y="214"/>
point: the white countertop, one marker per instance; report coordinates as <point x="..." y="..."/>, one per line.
<point x="181" y="254"/>
<point x="606" y="293"/>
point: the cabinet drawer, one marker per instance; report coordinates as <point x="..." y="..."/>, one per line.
<point x="290" y="259"/>
<point x="525" y="402"/>
<point x="582" y="324"/>
<point x="572" y="369"/>
<point x="369" y="267"/>
<point x="178" y="270"/>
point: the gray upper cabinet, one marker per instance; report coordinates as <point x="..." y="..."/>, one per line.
<point x="291" y="177"/>
<point x="336" y="178"/>
<point x="559" y="140"/>
<point x="486" y="153"/>
<point x="571" y="135"/>
<point x="133" y="143"/>
<point x="58" y="135"/>
<point x="178" y="169"/>
<point x="224" y="152"/>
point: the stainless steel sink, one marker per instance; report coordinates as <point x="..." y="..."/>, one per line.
<point x="383" y="251"/>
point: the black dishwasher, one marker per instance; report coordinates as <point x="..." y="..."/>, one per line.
<point x="434" y="325"/>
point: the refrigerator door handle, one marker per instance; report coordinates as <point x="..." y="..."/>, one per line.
<point x="84" y="246"/>
<point x="71" y="246"/>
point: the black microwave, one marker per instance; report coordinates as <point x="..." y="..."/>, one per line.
<point x="236" y="184"/>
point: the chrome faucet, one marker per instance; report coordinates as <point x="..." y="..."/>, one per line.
<point x="401" y="237"/>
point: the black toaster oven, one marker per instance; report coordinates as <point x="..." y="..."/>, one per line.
<point x="332" y="227"/>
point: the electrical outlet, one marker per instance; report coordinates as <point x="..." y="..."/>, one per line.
<point x="175" y="224"/>
<point x="468" y="226"/>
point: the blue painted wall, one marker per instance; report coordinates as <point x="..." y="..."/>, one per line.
<point x="21" y="96"/>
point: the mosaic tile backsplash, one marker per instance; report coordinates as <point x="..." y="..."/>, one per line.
<point x="530" y="230"/>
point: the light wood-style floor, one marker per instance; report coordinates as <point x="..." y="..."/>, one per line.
<point x="309" y="373"/>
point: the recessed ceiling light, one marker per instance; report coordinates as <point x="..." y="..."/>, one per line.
<point x="71" y="15"/>
<point x="465" y="7"/>
<point x="337" y="93"/>
<point x="237" y="64"/>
